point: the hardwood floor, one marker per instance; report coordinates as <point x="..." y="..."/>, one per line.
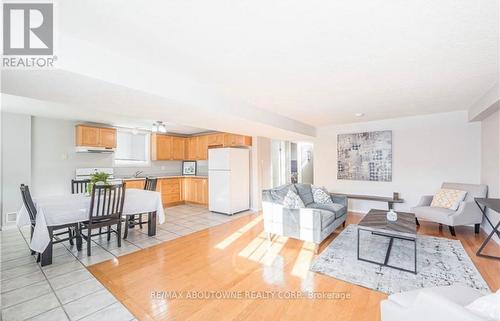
<point x="237" y="257"/>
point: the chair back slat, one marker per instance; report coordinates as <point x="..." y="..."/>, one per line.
<point x="150" y="184"/>
<point x="28" y="202"/>
<point x="106" y="202"/>
<point x="79" y="186"/>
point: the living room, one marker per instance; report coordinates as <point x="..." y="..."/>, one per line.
<point x="250" y="161"/>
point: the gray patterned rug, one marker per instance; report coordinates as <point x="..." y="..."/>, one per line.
<point x="440" y="261"/>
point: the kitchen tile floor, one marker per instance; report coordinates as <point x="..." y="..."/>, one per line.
<point x="65" y="290"/>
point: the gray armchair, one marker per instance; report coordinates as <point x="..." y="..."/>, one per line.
<point x="313" y="223"/>
<point x="468" y="212"/>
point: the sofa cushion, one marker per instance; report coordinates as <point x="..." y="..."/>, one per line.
<point x="292" y="200"/>
<point x="278" y="194"/>
<point x="448" y="198"/>
<point x="434" y="214"/>
<point x="338" y="209"/>
<point x="327" y="218"/>
<point x="305" y="193"/>
<point x="321" y="195"/>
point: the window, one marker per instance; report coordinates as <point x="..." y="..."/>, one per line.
<point x="132" y="148"/>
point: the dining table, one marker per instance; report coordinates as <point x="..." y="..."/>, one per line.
<point x="58" y="210"/>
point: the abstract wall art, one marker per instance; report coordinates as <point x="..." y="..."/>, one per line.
<point x="365" y="156"/>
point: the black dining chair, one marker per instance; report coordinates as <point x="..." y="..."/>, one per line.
<point x="106" y="207"/>
<point x="31" y="209"/>
<point x="79" y="186"/>
<point x="132" y="220"/>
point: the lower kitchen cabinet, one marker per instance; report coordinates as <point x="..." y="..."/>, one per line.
<point x="171" y="191"/>
<point x="136" y="183"/>
<point x="176" y="191"/>
<point x="196" y="190"/>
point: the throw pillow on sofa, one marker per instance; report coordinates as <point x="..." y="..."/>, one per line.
<point x="292" y="200"/>
<point x="321" y="195"/>
<point x="448" y="198"/>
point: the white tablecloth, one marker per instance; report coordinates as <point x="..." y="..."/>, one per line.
<point x="66" y="209"/>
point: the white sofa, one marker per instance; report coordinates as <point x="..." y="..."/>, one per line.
<point x="445" y="303"/>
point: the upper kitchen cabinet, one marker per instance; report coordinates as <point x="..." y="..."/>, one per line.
<point x="215" y="140"/>
<point x="165" y="147"/>
<point x="92" y="136"/>
<point x="191" y="148"/>
<point x="161" y="147"/>
<point x="178" y="148"/>
<point x="234" y="140"/>
<point x="202" y="147"/>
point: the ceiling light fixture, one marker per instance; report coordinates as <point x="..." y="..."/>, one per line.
<point x="159" y="127"/>
<point x="359" y="114"/>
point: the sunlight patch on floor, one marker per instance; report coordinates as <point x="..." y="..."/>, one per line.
<point x="303" y="261"/>
<point x="233" y="237"/>
<point x="262" y="250"/>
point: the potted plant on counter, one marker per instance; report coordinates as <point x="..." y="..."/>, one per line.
<point x="99" y="178"/>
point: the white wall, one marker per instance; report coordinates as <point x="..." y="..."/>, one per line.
<point x="16" y="160"/>
<point x="490" y="163"/>
<point x="306" y="165"/>
<point x="427" y="150"/>
<point x="260" y="170"/>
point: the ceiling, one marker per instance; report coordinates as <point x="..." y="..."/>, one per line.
<point x="273" y="68"/>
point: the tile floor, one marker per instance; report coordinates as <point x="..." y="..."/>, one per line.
<point x="65" y="290"/>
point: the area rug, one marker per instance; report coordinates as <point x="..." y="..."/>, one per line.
<point x="440" y="261"/>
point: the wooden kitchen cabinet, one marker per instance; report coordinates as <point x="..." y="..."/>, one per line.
<point x="171" y="191"/>
<point x="192" y="143"/>
<point x="215" y="140"/>
<point x="202" y="147"/>
<point x="178" y="148"/>
<point x="92" y="136"/>
<point x="161" y="147"/>
<point x="234" y="140"/>
<point x="136" y="183"/>
<point x="107" y="137"/>
<point x="195" y="190"/>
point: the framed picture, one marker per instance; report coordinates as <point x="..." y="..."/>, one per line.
<point x="365" y="156"/>
<point x="189" y="168"/>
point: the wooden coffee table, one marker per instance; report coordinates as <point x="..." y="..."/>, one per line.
<point x="404" y="228"/>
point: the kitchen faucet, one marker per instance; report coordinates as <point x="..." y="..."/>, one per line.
<point x="136" y="174"/>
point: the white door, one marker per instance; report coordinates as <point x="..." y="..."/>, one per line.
<point x="219" y="190"/>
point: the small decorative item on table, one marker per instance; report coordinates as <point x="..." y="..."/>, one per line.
<point x="99" y="178"/>
<point x="189" y="168"/>
<point x="392" y="216"/>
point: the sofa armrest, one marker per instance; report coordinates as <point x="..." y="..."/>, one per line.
<point x="427" y="306"/>
<point x="339" y="199"/>
<point x="431" y="306"/>
<point x="425" y="200"/>
<point x="467" y="213"/>
<point x="267" y="196"/>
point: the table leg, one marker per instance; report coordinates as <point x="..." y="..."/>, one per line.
<point x="46" y="258"/>
<point x="495" y="229"/>
<point x="152" y="223"/>
<point x="358" y="245"/>
<point x="478" y="253"/>
<point x="388" y="253"/>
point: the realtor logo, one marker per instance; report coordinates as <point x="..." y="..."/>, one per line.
<point x="28" y="29"/>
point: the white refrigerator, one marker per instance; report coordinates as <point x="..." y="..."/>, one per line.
<point x="228" y="180"/>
